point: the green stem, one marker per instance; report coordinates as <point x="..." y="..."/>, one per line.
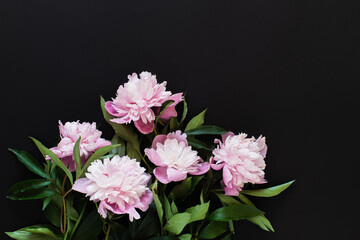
<point x="107" y="232"/>
<point x="217" y="190"/>
<point x="67" y="192"/>
<point x="78" y="221"/>
<point x="142" y="157"/>
<point x="63" y="210"/>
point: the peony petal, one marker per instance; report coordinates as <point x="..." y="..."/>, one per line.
<point x="144" y="128"/>
<point x="161" y="175"/>
<point x="158" y="139"/>
<point x="175" y="175"/>
<point x="133" y="214"/>
<point x="224" y="136"/>
<point x="181" y="137"/>
<point x="69" y="163"/>
<point x="227" y="177"/>
<point x="154" y="157"/>
<point x="215" y="166"/>
<point x="102" y="209"/>
<point x="169" y="113"/>
<point x="145" y="201"/>
<point x="231" y="191"/>
<point x="113" y="207"/>
<point x="109" y="107"/>
<point x="202" y="168"/>
<point x="119" y="120"/>
<point x="81" y="184"/>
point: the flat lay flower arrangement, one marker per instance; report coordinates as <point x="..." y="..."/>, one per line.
<point x="159" y="177"/>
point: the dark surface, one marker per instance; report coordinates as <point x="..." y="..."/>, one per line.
<point x="283" y="69"/>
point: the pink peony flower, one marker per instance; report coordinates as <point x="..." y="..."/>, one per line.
<point x="170" y="111"/>
<point x="137" y="100"/>
<point x="120" y="184"/>
<point x="174" y="158"/>
<point x="242" y="161"/>
<point x="69" y="134"/>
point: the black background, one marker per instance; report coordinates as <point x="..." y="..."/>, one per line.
<point x="284" y="69"/>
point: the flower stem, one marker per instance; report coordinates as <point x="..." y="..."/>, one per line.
<point x="107" y="232"/>
<point x="67" y="192"/>
<point x="63" y="209"/>
<point x="142" y="157"/>
<point x="156" y="131"/>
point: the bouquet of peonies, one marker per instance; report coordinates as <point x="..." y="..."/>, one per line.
<point x="163" y="179"/>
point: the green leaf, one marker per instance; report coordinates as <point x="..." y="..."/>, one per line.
<point x="97" y="154"/>
<point x="202" y="196"/>
<point x="174" y="124"/>
<point x="227" y="200"/>
<point x="268" y="192"/>
<point x="46" y="202"/>
<point x="185" y="188"/>
<point x="70" y="210"/>
<point x="32" y="194"/>
<point x="198" y="212"/>
<point x="56" y="160"/>
<point x="260" y="220"/>
<point x="132" y="153"/>
<point x="198" y="144"/>
<point x="30" y="162"/>
<point x="90" y="228"/>
<point x="119" y="232"/>
<point x="32" y="233"/>
<point x="195" y="181"/>
<point x="206" y="129"/>
<point x="213" y="230"/>
<point x="245" y="200"/>
<point x="174" y="208"/>
<point x="181" y="189"/>
<point x="177" y="223"/>
<point x="234" y="212"/>
<point x="78" y="221"/>
<point x="149" y="226"/>
<point x="29" y="184"/>
<point x="185" y="237"/>
<point x="157" y="202"/>
<point x="165" y="129"/>
<point x="227" y="237"/>
<point x="163" y="238"/>
<point x="52" y="213"/>
<point x="122" y="130"/>
<point x="231" y="226"/>
<point x="168" y="212"/>
<point x="121" y="150"/>
<point x="196" y="121"/>
<point x="77" y="157"/>
<point x="185" y="111"/>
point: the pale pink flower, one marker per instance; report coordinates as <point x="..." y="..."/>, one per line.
<point x="174" y="158"/>
<point x="69" y="133"/>
<point x="120" y="184"/>
<point x="137" y="99"/>
<point x="242" y="161"/>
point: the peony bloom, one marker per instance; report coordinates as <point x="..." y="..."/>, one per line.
<point x="120" y="184"/>
<point x="242" y="161"/>
<point x="69" y="134"/>
<point x="174" y="158"/>
<point x="137" y="100"/>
